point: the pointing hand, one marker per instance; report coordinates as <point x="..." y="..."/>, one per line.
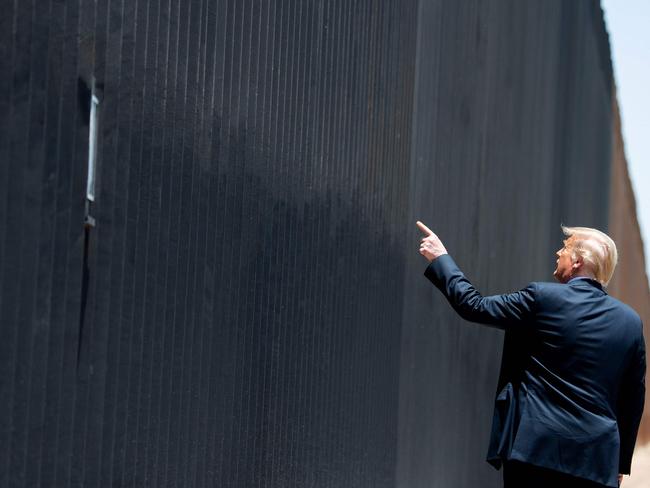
<point x="430" y="246"/>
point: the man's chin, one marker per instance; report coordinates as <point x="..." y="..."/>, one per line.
<point x="560" y="279"/>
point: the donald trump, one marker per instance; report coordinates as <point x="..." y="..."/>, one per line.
<point x="572" y="384"/>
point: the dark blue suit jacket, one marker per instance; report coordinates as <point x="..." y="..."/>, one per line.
<point x="572" y="383"/>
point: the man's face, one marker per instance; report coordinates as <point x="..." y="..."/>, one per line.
<point x="564" y="267"/>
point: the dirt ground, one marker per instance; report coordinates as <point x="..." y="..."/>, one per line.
<point x="640" y="477"/>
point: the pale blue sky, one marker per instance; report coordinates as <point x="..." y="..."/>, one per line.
<point x="628" y="23"/>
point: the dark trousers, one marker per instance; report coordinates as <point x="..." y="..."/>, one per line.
<point x="524" y="475"/>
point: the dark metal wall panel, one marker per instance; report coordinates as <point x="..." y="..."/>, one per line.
<point x="511" y="137"/>
<point x="249" y="309"/>
<point x="231" y="320"/>
<point x="42" y="190"/>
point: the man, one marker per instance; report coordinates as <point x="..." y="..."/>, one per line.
<point x="572" y="383"/>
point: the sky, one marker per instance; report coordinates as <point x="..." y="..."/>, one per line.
<point x="628" y="23"/>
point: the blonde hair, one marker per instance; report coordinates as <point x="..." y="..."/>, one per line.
<point x="596" y="248"/>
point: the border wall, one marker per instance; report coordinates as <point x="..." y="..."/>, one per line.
<point x="242" y="302"/>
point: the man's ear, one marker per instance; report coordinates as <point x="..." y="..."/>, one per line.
<point x="578" y="262"/>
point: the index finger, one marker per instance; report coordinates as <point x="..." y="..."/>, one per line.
<point x="424" y="228"/>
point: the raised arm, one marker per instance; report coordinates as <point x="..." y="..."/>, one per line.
<point x="499" y="311"/>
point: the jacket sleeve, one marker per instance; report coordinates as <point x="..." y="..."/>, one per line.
<point x="630" y="406"/>
<point x="500" y="311"/>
